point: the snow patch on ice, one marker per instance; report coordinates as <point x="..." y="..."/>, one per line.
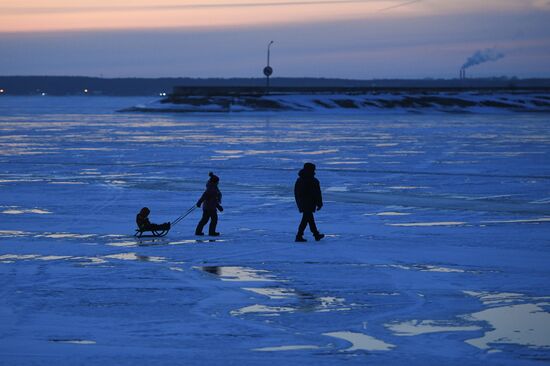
<point x="416" y="327"/>
<point x="514" y="319"/>
<point x="361" y="342"/>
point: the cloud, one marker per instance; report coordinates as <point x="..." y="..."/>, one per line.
<point x="118" y="8"/>
<point x="407" y="3"/>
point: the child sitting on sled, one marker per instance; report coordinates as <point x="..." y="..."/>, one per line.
<point x="143" y="223"/>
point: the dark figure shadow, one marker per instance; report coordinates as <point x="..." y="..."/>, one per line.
<point x="307" y="192"/>
<point x="210" y="201"/>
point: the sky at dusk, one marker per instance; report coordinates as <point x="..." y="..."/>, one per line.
<point x="228" y="38"/>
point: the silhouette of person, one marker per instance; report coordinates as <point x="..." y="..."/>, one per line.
<point x="307" y="192"/>
<point x="211" y="201"/>
<point x="143" y="223"/>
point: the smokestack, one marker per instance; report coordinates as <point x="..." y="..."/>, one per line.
<point x="462" y="74"/>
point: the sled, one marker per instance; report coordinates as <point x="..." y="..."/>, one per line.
<point x="155" y="233"/>
<point x="163" y="229"/>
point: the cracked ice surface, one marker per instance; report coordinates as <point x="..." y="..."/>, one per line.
<point x="436" y="249"/>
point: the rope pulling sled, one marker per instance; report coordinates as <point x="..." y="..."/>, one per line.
<point x="160" y="232"/>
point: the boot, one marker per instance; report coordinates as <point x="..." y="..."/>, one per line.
<point x="319" y="236"/>
<point x="214" y="234"/>
<point x="199" y="233"/>
<point x="300" y="239"/>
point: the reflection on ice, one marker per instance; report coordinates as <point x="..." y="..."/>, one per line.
<point x="416" y="327"/>
<point x="10" y="258"/>
<point x="73" y="341"/>
<point x="85" y="260"/>
<point x="233" y="273"/>
<point x="12" y="233"/>
<point x="53" y="257"/>
<point x="263" y="310"/>
<point x="90" y="260"/>
<point x="15" y="210"/>
<point x="406" y="187"/>
<point x="354" y="162"/>
<point x="65" y="236"/>
<point x="427" y="268"/>
<point x="521" y="221"/>
<point x="518" y="320"/>
<point x="272" y="292"/>
<point x="437" y="223"/>
<point x="135" y="257"/>
<point x="337" y="189"/>
<point x="361" y="342"/>
<point x="537" y="220"/>
<point x="329" y="303"/>
<point x="124" y="244"/>
<point x="67" y="182"/>
<point x="285" y="348"/>
<point x="299" y="302"/>
<point x="525" y="324"/>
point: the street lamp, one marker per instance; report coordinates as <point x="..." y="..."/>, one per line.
<point x="268" y="70"/>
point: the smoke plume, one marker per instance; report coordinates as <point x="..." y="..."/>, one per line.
<point x="481" y="56"/>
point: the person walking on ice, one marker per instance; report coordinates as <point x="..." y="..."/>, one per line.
<point x="307" y="192"/>
<point x="211" y="201"/>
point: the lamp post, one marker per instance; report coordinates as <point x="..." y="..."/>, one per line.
<point x="268" y="70"/>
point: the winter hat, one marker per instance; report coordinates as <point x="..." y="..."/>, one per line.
<point x="309" y="167"/>
<point x="213" y="178"/>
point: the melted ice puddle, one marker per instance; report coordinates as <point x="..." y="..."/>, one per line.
<point x="361" y="342"/>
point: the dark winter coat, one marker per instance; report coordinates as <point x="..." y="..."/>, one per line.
<point x="211" y="199"/>
<point x="142" y="221"/>
<point x="307" y="192"/>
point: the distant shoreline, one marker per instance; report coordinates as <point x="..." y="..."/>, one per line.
<point x="78" y="85"/>
<point x="227" y="100"/>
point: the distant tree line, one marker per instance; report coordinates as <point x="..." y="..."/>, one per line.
<point x="78" y="85"/>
